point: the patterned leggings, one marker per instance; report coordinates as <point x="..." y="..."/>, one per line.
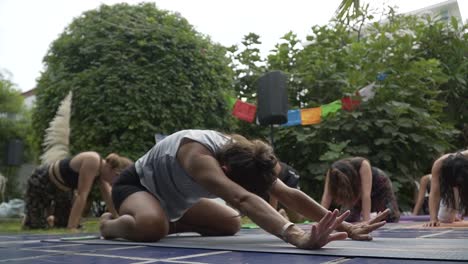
<point x="43" y="198"/>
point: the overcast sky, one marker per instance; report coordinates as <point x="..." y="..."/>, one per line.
<point x="28" y="27"/>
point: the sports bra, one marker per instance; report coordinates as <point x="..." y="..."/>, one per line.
<point x="69" y="176"/>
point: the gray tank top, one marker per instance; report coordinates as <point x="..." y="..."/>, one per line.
<point x="163" y="176"/>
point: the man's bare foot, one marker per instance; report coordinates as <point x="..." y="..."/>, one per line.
<point x="102" y="221"/>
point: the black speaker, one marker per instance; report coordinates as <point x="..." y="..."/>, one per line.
<point x="272" y="99"/>
<point x="14" y="152"/>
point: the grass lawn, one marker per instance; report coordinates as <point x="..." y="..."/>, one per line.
<point x="90" y="225"/>
<point x="13" y="226"/>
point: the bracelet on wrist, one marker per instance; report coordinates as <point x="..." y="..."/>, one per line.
<point x="284" y="229"/>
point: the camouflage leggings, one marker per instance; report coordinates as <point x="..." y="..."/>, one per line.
<point x="43" y="198"/>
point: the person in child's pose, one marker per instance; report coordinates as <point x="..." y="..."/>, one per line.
<point x="354" y="184"/>
<point x="166" y="192"/>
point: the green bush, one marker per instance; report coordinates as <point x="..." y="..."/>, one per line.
<point x="134" y="70"/>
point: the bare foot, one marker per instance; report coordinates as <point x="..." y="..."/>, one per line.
<point x="102" y="221"/>
<point x="105" y="216"/>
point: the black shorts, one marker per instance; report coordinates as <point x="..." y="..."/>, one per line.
<point x="127" y="183"/>
<point x="289" y="176"/>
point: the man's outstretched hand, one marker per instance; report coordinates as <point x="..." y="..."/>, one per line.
<point x="321" y="233"/>
<point x="361" y="231"/>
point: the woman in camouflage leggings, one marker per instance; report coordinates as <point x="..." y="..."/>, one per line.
<point x="51" y="188"/>
<point x="43" y="199"/>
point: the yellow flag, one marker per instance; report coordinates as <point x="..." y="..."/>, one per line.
<point x="310" y="116"/>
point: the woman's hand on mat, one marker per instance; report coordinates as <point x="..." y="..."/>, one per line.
<point x="321" y="233"/>
<point x="361" y="231"/>
<point x="432" y="223"/>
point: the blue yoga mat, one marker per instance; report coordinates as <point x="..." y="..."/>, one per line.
<point x="393" y="248"/>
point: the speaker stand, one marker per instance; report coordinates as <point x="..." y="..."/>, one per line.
<point x="272" y="139"/>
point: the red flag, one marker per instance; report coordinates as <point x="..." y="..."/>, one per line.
<point x="349" y="103"/>
<point x="244" y="111"/>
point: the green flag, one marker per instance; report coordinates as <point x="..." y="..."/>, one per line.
<point x="332" y="107"/>
<point x="230" y="101"/>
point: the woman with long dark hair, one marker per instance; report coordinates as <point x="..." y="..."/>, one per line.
<point x="354" y="184"/>
<point x="449" y="188"/>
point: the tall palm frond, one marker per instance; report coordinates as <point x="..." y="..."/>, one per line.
<point x="57" y="137"/>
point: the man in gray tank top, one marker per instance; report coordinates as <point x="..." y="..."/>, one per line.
<point x="163" y="176"/>
<point x="166" y="192"/>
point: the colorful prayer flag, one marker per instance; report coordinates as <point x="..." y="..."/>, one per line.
<point x="381" y="76"/>
<point x="367" y="92"/>
<point x="350" y="103"/>
<point x="244" y="111"/>
<point x="332" y="107"/>
<point x="294" y="118"/>
<point x="311" y="116"/>
<point x="231" y="101"/>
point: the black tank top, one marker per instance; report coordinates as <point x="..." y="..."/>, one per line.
<point x="69" y="176"/>
<point x="377" y="173"/>
<point x="289" y="175"/>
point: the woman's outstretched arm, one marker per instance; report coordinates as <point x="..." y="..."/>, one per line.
<point x="423" y="183"/>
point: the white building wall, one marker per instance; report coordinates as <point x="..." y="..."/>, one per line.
<point x="444" y="10"/>
<point x="29" y="101"/>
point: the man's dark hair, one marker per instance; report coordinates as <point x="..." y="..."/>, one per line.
<point x="250" y="163"/>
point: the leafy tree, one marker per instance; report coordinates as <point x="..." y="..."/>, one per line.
<point x="135" y="70"/>
<point x="284" y="57"/>
<point x="448" y="44"/>
<point x="248" y="66"/>
<point x="14" y="125"/>
<point x="401" y="130"/>
<point x="404" y="127"/>
<point x="347" y="8"/>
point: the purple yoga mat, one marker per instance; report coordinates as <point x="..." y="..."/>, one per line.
<point x="416" y="218"/>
